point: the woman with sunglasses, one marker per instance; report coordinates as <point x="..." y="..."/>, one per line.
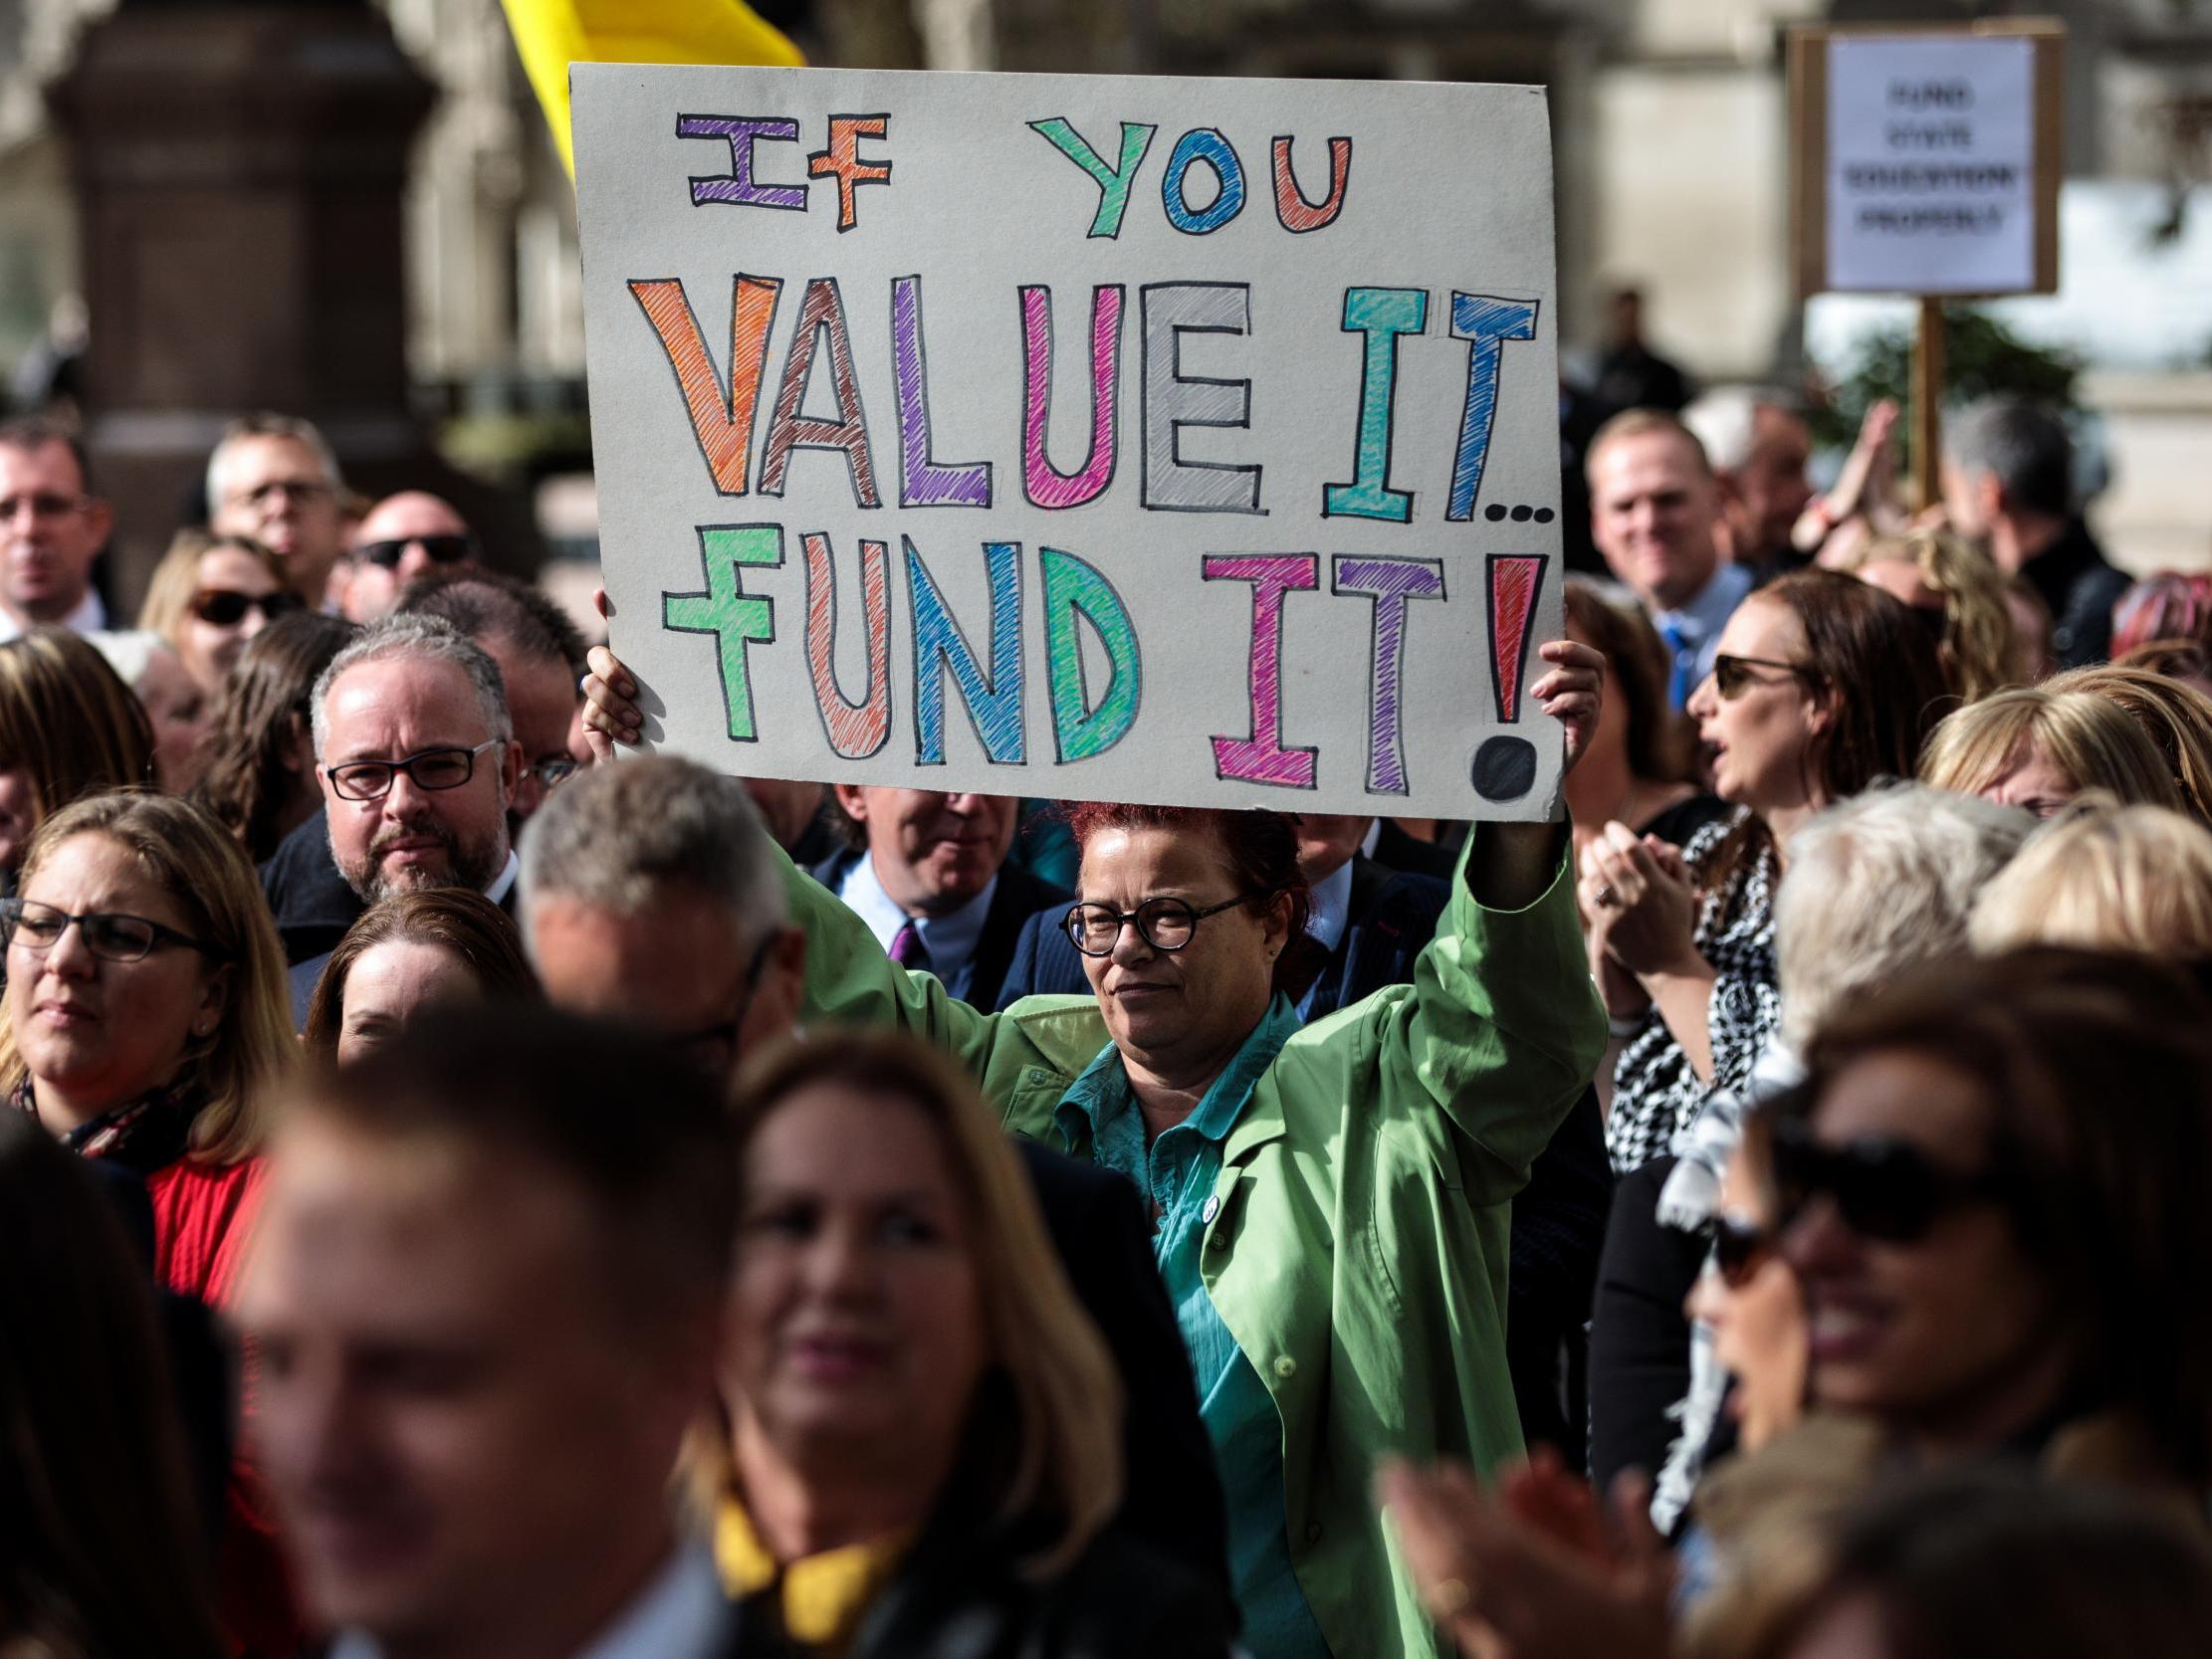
<point x="1332" y="1201"/>
<point x="1822" y="685"/>
<point x="1992" y="1188"/>
<point x="1879" y="886"/>
<point x="209" y="595"/>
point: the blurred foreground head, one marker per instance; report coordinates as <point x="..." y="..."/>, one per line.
<point x="486" y="1300"/>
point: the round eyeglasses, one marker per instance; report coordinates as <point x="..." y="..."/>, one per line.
<point x="1164" y="924"/>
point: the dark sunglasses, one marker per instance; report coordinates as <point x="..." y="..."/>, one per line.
<point x="1884" y="1189"/>
<point x="1732" y="676"/>
<point x="1739" y="1249"/>
<point x="438" y="549"/>
<point x="226" y="607"/>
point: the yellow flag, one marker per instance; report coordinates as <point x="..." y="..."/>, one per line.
<point x="553" y="34"/>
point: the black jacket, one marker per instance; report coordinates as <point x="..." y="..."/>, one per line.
<point x="1018" y="894"/>
<point x="2081" y="587"/>
<point x="962" y="1594"/>
<point x="310" y="901"/>
<point x="1173" y="1500"/>
<point x="1639" y="1333"/>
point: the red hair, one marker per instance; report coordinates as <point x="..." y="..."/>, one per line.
<point x="1258" y="848"/>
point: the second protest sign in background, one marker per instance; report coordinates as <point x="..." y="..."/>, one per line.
<point x="1137" y="439"/>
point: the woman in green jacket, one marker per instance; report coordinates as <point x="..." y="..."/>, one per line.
<point x="1332" y="1200"/>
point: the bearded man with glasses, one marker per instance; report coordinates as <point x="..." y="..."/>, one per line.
<point x="416" y="755"/>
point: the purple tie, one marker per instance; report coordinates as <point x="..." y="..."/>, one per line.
<point x="907" y="948"/>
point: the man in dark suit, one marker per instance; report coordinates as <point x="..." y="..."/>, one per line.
<point x="417" y="759"/>
<point x="650" y="892"/>
<point x="928" y="873"/>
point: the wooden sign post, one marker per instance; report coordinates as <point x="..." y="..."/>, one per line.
<point x="1926" y="161"/>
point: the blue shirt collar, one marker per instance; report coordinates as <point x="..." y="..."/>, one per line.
<point x="1707" y="614"/>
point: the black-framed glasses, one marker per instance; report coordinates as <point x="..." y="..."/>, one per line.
<point x="110" y="934"/>
<point x="713" y="1048"/>
<point x="226" y="607"/>
<point x="1739" y="1249"/>
<point x="438" y="549"/>
<point x="1884" y="1189"/>
<point x="431" y="769"/>
<point x="1164" y="924"/>
<point x="553" y="772"/>
<point x="1732" y="676"/>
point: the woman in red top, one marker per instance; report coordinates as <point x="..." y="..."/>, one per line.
<point x="147" y="1014"/>
<point x="147" y="1024"/>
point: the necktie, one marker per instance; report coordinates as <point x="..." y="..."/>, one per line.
<point x="907" y="948"/>
<point x="1685" y="659"/>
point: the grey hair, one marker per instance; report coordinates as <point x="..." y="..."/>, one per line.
<point x="2026" y="447"/>
<point x="1878" y="884"/>
<point x="431" y="639"/>
<point x="616" y="837"/>
<point x="266" y="425"/>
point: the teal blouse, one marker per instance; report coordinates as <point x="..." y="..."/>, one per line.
<point x="1176" y="1174"/>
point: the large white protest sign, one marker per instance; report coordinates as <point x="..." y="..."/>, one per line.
<point x="1142" y="439"/>
<point x="1931" y="165"/>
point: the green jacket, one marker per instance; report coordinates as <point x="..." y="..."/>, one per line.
<point x="1359" y="1251"/>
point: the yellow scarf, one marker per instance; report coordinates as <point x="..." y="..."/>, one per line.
<point x="825" y="1596"/>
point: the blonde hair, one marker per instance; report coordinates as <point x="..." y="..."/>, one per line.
<point x="1067" y="1400"/>
<point x="2174" y="717"/>
<point x="193" y="859"/>
<point x="68" y="720"/>
<point x="1978" y="634"/>
<point x="2087" y="736"/>
<point x="176" y="579"/>
<point x="2104" y="878"/>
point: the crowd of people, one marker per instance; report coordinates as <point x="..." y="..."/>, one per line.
<point x="477" y="1193"/>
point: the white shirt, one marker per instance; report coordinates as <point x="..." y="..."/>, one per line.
<point x="681" y="1614"/>
<point x="88" y="618"/>
<point x="504" y="883"/>
<point x="950" y="940"/>
<point x="1329" y="906"/>
<point x="1329" y="901"/>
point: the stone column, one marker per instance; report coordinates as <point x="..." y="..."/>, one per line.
<point x="240" y="171"/>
